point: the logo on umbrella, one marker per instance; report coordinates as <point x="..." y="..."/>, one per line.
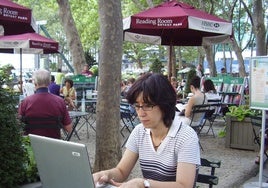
<point x="216" y="25"/>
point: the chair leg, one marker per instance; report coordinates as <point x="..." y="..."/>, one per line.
<point x="211" y="128"/>
<point x="201" y="146"/>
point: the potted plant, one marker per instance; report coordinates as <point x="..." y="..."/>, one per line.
<point x="239" y="130"/>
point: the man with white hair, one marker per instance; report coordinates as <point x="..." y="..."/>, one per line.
<point x="43" y="104"/>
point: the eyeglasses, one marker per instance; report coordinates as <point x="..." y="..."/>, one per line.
<point x="145" y="107"/>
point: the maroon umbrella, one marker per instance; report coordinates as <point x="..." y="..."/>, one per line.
<point x="15" y="18"/>
<point x="27" y="43"/>
<point x="177" y="24"/>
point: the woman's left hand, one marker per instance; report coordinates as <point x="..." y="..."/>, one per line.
<point x="133" y="183"/>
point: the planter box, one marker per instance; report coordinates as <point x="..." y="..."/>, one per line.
<point x="239" y="134"/>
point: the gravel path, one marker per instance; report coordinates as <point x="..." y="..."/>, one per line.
<point x="237" y="166"/>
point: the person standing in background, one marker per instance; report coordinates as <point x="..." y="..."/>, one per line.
<point x="199" y="71"/>
<point x="53" y="87"/>
<point x="28" y="88"/>
<point x="59" y="77"/>
<point x="223" y="70"/>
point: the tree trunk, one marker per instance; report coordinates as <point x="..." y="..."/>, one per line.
<point x="210" y="59"/>
<point x="108" y="146"/>
<point x="72" y="36"/>
<point x="237" y="49"/>
<point x="259" y="28"/>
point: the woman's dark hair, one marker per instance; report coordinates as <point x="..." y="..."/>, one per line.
<point x="209" y="86"/>
<point x="157" y="90"/>
<point x="195" y="81"/>
<point x="70" y="82"/>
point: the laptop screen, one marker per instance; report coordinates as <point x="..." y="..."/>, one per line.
<point x="61" y="163"/>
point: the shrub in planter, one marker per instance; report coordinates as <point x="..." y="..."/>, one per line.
<point x="242" y="111"/>
<point x="239" y="112"/>
<point x="239" y="132"/>
<point x="13" y="155"/>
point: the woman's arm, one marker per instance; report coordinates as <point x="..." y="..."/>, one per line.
<point x="185" y="177"/>
<point x="121" y="172"/>
<point x="189" y="107"/>
<point x="72" y="94"/>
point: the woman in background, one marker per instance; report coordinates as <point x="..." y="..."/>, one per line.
<point x="68" y="92"/>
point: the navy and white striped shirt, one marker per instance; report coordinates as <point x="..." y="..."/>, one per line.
<point x="180" y="145"/>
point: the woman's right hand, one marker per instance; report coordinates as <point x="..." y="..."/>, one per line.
<point x="101" y="177"/>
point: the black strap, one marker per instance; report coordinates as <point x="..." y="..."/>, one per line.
<point x="204" y="98"/>
<point x="42" y="122"/>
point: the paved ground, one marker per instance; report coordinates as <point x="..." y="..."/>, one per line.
<point x="237" y="166"/>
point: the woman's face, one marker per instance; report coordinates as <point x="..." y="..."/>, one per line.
<point x="67" y="84"/>
<point x="150" y="118"/>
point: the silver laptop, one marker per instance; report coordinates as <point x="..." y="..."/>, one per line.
<point x="62" y="164"/>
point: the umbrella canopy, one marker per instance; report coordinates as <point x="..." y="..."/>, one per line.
<point x="15" y="18"/>
<point x="29" y="43"/>
<point x="176" y="24"/>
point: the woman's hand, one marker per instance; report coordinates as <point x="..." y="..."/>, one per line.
<point x="101" y="177"/>
<point x="133" y="183"/>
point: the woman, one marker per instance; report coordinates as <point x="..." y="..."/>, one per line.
<point x="168" y="151"/>
<point x="210" y="90"/>
<point x="68" y="92"/>
<point x="198" y="98"/>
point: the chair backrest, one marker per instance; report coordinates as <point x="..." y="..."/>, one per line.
<point x="216" y="104"/>
<point x="256" y="121"/>
<point x="209" y="178"/>
<point x="198" y="114"/>
<point x="51" y="122"/>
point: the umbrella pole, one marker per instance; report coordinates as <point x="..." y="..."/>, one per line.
<point x="21" y="70"/>
<point x="262" y="148"/>
<point x="170" y="62"/>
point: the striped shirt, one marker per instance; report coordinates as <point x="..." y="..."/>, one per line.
<point x="180" y="145"/>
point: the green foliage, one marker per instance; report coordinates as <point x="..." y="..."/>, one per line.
<point x="90" y="59"/>
<point x="190" y="75"/>
<point x="95" y="70"/>
<point x="12" y="153"/>
<point x="31" y="172"/>
<point x="156" y="66"/>
<point x="222" y="132"/>
<point x="13" y="156"/>
<point x="240" y="112"/>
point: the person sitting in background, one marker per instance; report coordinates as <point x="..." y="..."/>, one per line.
<point x="86" y="71"/>
<point x="130" y="82"/>
<point x="43" y="104"/>
<point x="210" y="91"/>
<point x="123" y="87"/>
<point x="174" y="83"/>
<point x="68" y="92"/>
<point x="197" y="98"/>
<point x="167" y="150"/>
<point x="53" y="87"/>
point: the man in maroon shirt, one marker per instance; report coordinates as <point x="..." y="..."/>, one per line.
<point x="43" y="104"/>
